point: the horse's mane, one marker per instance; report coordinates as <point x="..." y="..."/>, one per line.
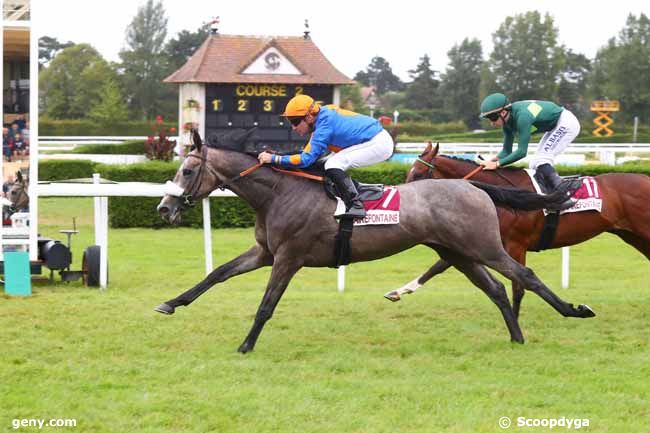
<point x="236" y="140"/>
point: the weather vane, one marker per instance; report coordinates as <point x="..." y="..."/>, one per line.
<point x="306" y="36"/>
<point x="214" y="25"/>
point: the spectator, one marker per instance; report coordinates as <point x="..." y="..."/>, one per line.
<point x="7" y="184"/>
<point x="25" y="132"/>
<point x="7" y="144"/>
<point x="20" y="149"/>
<point x="20" y="121"/>
<point x="14" y="130"/>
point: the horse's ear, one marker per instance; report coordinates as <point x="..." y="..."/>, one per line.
<point x="428" y="148"/>
<point x="436" y="149"/>
<point x="196" y="140"/>
<point x="239" y="138"/>
<point x="19" y="176"/>
<point x="249" y="133"/>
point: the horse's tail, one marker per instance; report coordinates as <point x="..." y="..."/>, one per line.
<point x="524" y="200"/>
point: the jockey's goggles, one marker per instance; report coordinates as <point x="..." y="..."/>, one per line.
<point x="493" y="117"/>
<point x="295" y="120"/>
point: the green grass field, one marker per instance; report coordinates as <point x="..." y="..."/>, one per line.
<point x="438" y="361"/>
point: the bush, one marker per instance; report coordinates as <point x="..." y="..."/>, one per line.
<point x="231" y="212"/>
<point x="83" y="127"/>
<point x="130" y="147"/>
<point x="427" y="128"/>
<point x="54" y="169"/>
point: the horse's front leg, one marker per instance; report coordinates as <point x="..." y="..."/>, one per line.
<point x="252" y="259"/>
<point x="438" y="268"/>
<point x="283" y="270"/>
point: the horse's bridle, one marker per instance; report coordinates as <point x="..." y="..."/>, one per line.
<point x="23" y="191"/>
<point x="189" y="193"/>
<point x="431" y="168"/>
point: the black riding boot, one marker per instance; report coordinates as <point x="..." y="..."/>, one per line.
<point x="552" y="178"/>
<point x="348" y="192"/>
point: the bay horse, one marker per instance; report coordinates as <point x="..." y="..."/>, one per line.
<point x="294" y="228"/>
<point x="625" y="210"/>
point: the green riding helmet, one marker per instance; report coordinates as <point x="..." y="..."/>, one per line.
<point x="494" y="103"/>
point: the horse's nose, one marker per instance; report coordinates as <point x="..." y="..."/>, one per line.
<point x="163" y="210"/>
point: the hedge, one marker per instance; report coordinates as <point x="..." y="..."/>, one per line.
<point x="231" y="211"/>
<point x="130" y="147"/>
<point x="80" y="127"/>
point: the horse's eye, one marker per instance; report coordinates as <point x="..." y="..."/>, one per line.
<point x="187" y="172"/>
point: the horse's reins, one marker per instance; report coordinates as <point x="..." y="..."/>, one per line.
<point x="299" y="174"/>
<point x="468" y="175"/>
<point x="433" y="167"/>
<point x="188" y="197"/>
<point x="193" y="188"/>
<point x="473" y="172"/>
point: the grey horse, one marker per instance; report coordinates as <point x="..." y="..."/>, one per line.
<point x="17" y="193"/>
<point x="295" y="228"/>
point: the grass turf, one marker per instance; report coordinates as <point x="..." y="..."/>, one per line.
<point x="438" y="361"/>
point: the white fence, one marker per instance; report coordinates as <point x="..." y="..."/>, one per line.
<point x="53" y="142"/>
<point x="606" y="153"/>
<point x="102" y="191"/>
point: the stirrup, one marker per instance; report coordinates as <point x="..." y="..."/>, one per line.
<point x="356" y="211"/>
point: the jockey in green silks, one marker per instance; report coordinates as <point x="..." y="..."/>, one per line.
<point x="520" y="119"/>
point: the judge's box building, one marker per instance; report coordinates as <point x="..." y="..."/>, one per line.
<point x="235" y="82"/>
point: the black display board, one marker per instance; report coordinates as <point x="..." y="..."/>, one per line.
<point x="230" y="106"/>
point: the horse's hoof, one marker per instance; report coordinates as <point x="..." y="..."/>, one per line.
<point x="165" y="309"/>
<point x="585" y="312"/>
<point x="244" y="348"/>
<point x="514" y="340"/>
<point x="392" y="296"/>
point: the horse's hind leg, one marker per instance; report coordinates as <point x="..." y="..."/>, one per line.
<point x="638" y="242"/>
<point x="252" y="259"/>
<point x="527" y="278"/>
<point x="438" y="268"/>
<point x="495" y="290"/>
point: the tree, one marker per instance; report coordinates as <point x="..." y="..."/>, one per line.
<point x="351" y="99"/>
<point x="379" y="75"/>
<point x="91" y="83"/>
<point x="461" y="81"/>
<point x="526" y="59"/>
<point x="179" y="49"/>
<point x="422" y="92"/>
<point x="572" y="83"/>
<point x="49" y="47"/>
<point x="143" y="64"/>
<point x="71" y="84"/>
<point x="621" y="68"/>
<point x="111" y="107"/>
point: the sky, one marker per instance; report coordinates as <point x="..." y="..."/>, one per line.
<point x="349" y="33"/>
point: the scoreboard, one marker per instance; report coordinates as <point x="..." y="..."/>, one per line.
<point x="230" y="106"/>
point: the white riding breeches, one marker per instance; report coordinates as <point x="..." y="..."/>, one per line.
<point x="379" y="148"/>
<point x="556" y="140"/>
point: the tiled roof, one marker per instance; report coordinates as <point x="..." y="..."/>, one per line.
<point x="222" y="58"/>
